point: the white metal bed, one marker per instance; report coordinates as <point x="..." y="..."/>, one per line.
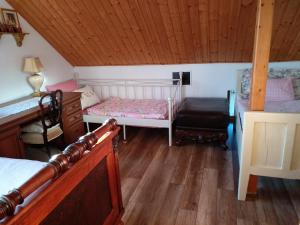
<point x="268" y="145"/>
<point x="168" y="89"/>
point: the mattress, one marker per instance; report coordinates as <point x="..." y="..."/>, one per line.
<point x="292" y="106"/>
<point x="14" y="172"/>
<point x="133" y="108"/>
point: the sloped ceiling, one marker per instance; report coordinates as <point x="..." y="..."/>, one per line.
<point x="131" y="32"/>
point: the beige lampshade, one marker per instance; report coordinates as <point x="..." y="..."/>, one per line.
<point x="32" y="65"/>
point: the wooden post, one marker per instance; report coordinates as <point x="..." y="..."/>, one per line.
<point x="261" y="55"/>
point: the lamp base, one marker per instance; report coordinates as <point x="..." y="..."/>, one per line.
<point x="36" y="94"/>
<point x="36" y="81"/>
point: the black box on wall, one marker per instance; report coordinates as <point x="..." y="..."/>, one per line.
<point x="186" y="77"/>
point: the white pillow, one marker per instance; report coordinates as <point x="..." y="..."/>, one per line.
<point x="88" y="97"/>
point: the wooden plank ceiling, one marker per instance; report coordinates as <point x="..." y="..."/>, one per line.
<point x="131" y="32"/>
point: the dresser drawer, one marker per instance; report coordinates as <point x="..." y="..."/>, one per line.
<point x="10" y="143"/>
<point x="73" y="118"/>
<point x="72" y="107"/>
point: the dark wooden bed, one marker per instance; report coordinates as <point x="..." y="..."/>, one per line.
<point x="81" y="186"/>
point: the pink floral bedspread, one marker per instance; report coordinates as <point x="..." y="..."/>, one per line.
<point x="134" y="108"/>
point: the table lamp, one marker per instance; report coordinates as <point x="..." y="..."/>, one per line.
<point x="34" y="66"/>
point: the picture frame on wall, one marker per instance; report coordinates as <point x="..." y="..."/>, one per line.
<point x="2" y="22"/>
<point x="11" y="20"/>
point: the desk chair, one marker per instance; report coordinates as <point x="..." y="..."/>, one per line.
<point x="50" y="126"/>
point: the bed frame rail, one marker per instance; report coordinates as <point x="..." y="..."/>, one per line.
<point x="168" y="89"/>
<point x="57" y="168"/>
<point x="134" y="89"/>
<point x="270" y="147"/>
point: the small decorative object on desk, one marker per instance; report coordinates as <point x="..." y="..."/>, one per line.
<point x="34" y="66"/>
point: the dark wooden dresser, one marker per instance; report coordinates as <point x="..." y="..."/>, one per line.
<point x="11" y="144"/>
<point x="72" y="117"/>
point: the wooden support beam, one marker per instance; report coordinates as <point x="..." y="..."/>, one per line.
<point x="252" y="186"/>
<point x="261" y="55"/>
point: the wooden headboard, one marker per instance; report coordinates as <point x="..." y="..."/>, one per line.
<point x="272" y="73"/>
<point x="238" y="81"/>
<point x="79" y="186"/>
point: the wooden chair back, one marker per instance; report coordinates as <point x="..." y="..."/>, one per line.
<point x="51" y="109"/>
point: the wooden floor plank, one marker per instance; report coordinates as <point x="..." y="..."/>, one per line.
<point x="186" y="217"/>
<point x="207" y="206"/>
<point x="198" y="158"/>
<point x="142" y="214"/>
<point x="169" y="209"/>
<point x="154" y="183"/>
<point x="264" y="207"/>
<point x="293" y="189"/>
<point x="192" y="188"/>
<point x="213" y="158"/>
<point x="130" y="208"/>
<point x="283" y="206"/>
<point x="226" y="207"/>
<point x="246" y="213"/>
<point x="183" y="165"/>
<point x="225" y="180"/>
<point x="143" y="159"/>
<point x="128" y="152"/>
<point x="128" y="187"/>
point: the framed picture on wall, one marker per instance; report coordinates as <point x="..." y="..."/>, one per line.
<point x="11" y="20"/>
<point x="2" y="22"/>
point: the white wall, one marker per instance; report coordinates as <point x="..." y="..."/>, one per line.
<point x="13" y="83"/>
<point x="208" y="80"/>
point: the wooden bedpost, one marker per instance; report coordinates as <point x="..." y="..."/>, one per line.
<point x="170" y="118"/>
<point x="56" y="167"/>
<point x="261" y="53"/>
<point x="180" y="86"/>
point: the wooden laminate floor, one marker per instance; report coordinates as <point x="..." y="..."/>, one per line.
<point x="195" y="184"/>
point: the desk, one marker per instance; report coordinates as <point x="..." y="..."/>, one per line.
<point x="11" y="144"/>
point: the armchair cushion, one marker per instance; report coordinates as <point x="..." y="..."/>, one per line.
<point x="35" y="127"/>
<point x="37" y="137"/>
